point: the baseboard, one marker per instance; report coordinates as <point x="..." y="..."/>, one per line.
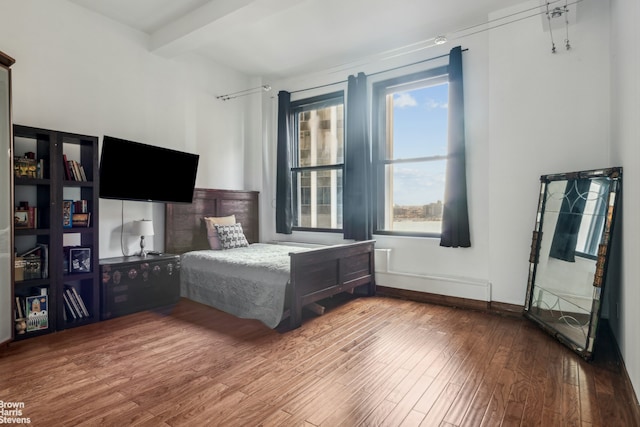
<point x="489" y="306"/>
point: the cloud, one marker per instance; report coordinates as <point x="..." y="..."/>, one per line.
<point x="404" y="99"/>
<point x="432" y="104"/>
<point x="416" y="186"/>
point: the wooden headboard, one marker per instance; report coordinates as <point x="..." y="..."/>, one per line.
<point x="184" y="225"/>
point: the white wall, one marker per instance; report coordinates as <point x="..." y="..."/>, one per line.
<point x="527" y="113"/>
<point x="625" y="150"/>
<point x="77" y="71"/>
<point x="548" y="113"/>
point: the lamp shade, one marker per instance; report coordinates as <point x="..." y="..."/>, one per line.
<point x="142" y="227"/>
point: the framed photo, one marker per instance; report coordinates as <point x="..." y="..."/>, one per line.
<point x="21" y="218"/>
<point x="24" y="167"/>
<point x="67" y="213"/>
<point x="79" y="260"/>
<point x="37" y="313"/>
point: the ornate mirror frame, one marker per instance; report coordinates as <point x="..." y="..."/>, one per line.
<point x="566" y="285"/>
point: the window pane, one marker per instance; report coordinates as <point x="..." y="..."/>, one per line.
<point x="415" y="196"/>
<point x="320" y="199"/>
<point x="321" y="137"/>
<point x="419" y="122"/>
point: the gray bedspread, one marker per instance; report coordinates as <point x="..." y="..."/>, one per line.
<point x="248" y="282"/>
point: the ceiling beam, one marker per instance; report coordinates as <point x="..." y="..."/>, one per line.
<point x="209" y="21"/>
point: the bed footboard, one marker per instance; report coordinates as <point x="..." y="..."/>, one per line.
<point x="321" y="273"/>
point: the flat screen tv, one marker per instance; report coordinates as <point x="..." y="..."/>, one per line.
<point x="134" y="171"/>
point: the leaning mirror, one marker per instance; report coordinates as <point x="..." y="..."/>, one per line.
<point x="570" y="254"/>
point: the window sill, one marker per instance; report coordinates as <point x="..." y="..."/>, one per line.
<point x="407" y="234"/>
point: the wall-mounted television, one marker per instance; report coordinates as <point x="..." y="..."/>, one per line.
<point x="135" y="171"/>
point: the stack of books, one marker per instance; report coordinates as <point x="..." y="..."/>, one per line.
<point x="74" y="305"/>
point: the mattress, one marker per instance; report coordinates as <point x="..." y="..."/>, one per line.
<point x="249" y="282"/>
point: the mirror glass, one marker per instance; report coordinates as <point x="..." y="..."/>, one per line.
<point x="569" y="254"/>
<point x="6" y="211"/>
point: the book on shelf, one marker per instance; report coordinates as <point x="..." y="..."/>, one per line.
<point x="83" y="307"/>
<point x="33" y="263"/>
<point x="37" y="313"/>
<point x="81" y="220"/>
<point x="20" y="309"/>
<point x="68" y="307"/>
<point x="82" y="173"/>
<point x="32" y="267"/>
<point x="67" y="170"/>
<point x="67" y="213"/>
<point x="80" y="206"/>
<point x="33" y="216"/>
<point x="76" y="303"/>
<point x="44" y="256"/>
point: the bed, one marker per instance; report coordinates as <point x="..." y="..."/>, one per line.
<point x="267" y="282"/>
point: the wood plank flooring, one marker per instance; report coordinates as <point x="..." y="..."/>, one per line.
<point x="369" y="361"/>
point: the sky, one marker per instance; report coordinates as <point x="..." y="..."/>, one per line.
<point x="420" y="130"/>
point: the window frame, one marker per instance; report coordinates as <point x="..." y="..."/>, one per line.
<point x="297" y="107"/>
<point x="380" y="90"/>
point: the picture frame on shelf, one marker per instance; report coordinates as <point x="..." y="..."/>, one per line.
<point x="79" y="260"/>
<point x="37" y="312"/>
<point x="25" y="167"/>
<point x="21" y="218"/>
<point x="67" y="213"/>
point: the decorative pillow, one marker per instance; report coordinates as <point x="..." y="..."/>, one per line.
<point x="212" y="233"/>
<point x="231" y="236"/>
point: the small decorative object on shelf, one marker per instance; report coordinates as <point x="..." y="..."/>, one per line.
<point x="21" y="325"/>
<point x="79" y="260"/>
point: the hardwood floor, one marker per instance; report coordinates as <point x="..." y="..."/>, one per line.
<point x="370" y="361"/>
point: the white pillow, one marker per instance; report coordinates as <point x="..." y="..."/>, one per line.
<point x="212" y="233"/>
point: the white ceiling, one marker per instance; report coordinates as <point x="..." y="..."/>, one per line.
<point x="280" y="38"/>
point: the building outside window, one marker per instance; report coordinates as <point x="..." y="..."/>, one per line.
<point x="410" y="152"/>
<point x="318" y="160"/>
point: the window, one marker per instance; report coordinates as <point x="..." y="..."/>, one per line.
<point x="318" y="160"/>
<point x="410" y="152"/>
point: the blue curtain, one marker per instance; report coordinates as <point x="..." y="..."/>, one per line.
<point x="455" y="216"/>
<point x="284" y="207"/>
<point x="357" y="220"/>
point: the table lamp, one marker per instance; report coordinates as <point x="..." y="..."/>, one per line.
<point x="142" y="228"/>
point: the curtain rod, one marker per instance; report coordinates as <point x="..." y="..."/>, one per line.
<point x="378" y="72"/>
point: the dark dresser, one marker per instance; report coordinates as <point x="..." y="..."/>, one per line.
<point x="134" y="283"/>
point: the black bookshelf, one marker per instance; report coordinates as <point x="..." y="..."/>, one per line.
<point x="46" y="192"/>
